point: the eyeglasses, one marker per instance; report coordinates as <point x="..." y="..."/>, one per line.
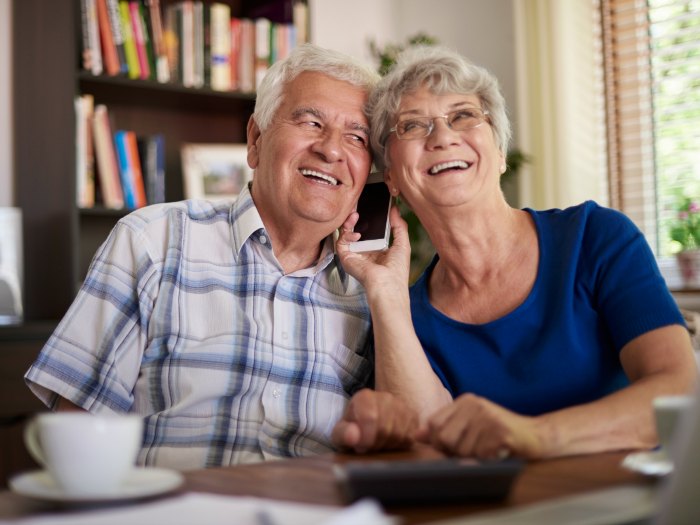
<point x="457" y="120"/>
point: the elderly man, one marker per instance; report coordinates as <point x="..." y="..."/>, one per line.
<point x="231" y="328"/>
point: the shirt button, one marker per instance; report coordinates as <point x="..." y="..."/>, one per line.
<point x="276" y="393"/>
<point x="262" y="239"/>
<point x="285" y="335"/>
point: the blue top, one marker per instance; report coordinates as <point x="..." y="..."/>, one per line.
<point x="598" y="287"/>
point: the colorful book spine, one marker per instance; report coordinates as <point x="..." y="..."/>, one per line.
<point x="85" y="157"/>
<point x="220" y="23"/>
<point x="147" y="27"/>
<point x="132" y="58"/>
<point x="125" y="169"/>
<point x="109" y="50"/>
<point x="246" y="57"/>
<point x="198" y="44"/>
<point x="160" y="47"/>
<point x="137" y="31"/>
<point x="92" y="49"/>
<point x="263" y="29"/>
<point x="235" y="52"/>
<point x="107" y="166"/>
<point x="152" y="155"/>
<point x="117" y="33"/>
<point x="136" y="170"/>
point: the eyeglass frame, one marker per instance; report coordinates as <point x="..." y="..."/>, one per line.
<point x="484" y="118"/>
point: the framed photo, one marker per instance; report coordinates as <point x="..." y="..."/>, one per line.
<point x="214" y="171"/>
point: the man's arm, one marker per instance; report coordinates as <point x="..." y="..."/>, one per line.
<point x="63" y="405"/>
<point x="375" y="421"/>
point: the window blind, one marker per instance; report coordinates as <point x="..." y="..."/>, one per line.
<point x="651" y="56"/>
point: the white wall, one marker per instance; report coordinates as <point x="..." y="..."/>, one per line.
<point x="6" y="171"/>
<point x="482" y="30"/>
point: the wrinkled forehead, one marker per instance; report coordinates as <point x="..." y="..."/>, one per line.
<point x="425" y="100"/>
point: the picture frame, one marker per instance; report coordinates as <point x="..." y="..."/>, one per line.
<point x="214" y="171"/>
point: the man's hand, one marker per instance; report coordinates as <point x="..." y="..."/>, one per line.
<point x="375" y="421"/>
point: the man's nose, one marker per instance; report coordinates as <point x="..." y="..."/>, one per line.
<point x="330" y="146"/>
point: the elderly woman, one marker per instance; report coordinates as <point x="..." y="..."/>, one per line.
<point x="532" y="333"/>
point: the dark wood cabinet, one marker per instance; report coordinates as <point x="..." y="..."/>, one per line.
<point x="19" y="346"/>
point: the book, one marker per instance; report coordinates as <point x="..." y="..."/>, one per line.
<point x="109" y="50"/>
<point x="246" y="56"/>
<point x="185" y="29"/>
<point x="197" y="44"/>
<point x="130" y="169"/>
<point x="263" y="28"/>
<point x="105" y="155"/>
<point x="220" y="33"/>
<point x="137" y="30"/>
<point x="137" y="181"/>
<point x="132" y="59"/>
<point x="147" y="28"/>
<point x="117" y="33"/>
<point x="160" y="48"/>
<point x="85" y="157"/>
<point x="171" y="42"/>
<point x="300" y="17"/>
<point x="91" y="48"/>
<point x="235" y="52"/>
<point x="152" y="154"/>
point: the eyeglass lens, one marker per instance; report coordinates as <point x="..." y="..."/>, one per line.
<point x="458" y="120"/>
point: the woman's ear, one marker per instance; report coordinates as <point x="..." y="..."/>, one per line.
<point x="253" y="134"/>
<point x="388" y="181"/>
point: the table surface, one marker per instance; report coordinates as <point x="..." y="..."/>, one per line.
<point x="311" y="480"/>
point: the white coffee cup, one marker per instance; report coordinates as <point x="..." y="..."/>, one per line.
<point x="668" y="412"/>
<point x="87" y="455"/>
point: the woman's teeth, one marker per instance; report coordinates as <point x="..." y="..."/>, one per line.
<point x="448" y="165"/>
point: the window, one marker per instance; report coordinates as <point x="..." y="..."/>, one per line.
<point x="651" y="51"/>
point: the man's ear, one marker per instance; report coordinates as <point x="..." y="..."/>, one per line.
<point x="253" y="140"/>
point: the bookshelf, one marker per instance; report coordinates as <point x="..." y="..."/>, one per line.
<point x="59" y="237"/>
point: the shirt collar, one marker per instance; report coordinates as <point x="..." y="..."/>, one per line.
<point x="246" y="221"/>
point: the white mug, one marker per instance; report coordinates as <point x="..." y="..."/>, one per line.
<point x="87" y="455"/>
<point x="668" y="411"/>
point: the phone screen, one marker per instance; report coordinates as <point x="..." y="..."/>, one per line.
<point x="372" y="207"/>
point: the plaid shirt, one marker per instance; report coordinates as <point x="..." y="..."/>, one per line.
<point x="186" y="318"/>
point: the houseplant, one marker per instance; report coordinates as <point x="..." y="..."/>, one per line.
<point x="685" y="234"/>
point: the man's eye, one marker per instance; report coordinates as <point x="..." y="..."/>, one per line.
<point x="310" y="123"/>
<point x="359" y="139"/>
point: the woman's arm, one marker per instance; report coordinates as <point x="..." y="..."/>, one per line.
<point x="659" y="362"/>
<point x="401" y="366"/>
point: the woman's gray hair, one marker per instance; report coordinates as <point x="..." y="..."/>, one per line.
<point x="443" y="71"/>
<point x="307" y="57"/>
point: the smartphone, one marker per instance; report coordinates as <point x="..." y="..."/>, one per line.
<point x="373" y="207"/>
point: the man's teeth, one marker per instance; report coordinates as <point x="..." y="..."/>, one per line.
<point x="311" y="173"/>
<point x="448" y="165"/>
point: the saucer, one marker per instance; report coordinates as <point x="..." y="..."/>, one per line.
<point x="653" y="463"/>
<point x="141" y="483"/>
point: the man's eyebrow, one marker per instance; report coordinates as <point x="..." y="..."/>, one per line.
<point x="360" y="127"/>
<point x="300" y="112"/>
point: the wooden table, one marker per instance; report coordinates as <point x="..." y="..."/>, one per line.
<point x="311" y="480"/>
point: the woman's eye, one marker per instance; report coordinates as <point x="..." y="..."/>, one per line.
<point x="408" y="125"/>
<point x="463" y="115"/>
